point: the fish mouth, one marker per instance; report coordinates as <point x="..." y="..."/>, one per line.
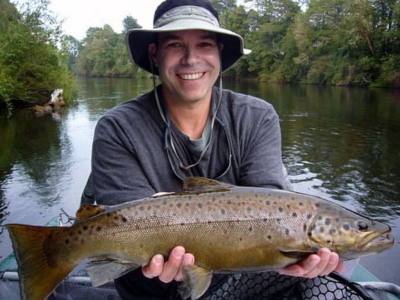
<point x="377" y="242"/>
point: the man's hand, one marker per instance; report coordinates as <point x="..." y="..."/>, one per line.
<point x="171" y="269"/>
<point x="320" y="264"/>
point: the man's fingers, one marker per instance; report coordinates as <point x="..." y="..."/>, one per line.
<point x="171" y="267"/>
<point x="188" y="259"/>
<point x="331" y="265"/>
<point x="155" y="267"/>
<point x="314" y="271"/>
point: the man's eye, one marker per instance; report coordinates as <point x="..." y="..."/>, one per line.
<point x="206" y="45"/>
<point x="174" y="45"/>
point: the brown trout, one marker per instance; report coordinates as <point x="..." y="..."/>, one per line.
<point x="227" y="228"/>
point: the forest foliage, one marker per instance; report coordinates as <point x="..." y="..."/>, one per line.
<point x="31" y="64"/>
<point x="327" y="42"/>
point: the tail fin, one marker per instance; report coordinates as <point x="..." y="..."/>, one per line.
<point x="38" y="273"/>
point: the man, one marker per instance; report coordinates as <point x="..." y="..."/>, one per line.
<point x="187" y="127"/>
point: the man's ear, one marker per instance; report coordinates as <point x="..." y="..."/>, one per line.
<point x="152" y="50"/>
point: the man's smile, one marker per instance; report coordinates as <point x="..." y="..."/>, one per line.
<point x="191" y="76"/>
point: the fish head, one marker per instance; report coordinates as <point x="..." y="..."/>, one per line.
<point x="348" y="233"/>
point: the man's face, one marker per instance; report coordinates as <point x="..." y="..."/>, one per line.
<point x="188" y="62"/>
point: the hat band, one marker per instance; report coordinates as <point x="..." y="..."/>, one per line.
<point x="186" y="12"/>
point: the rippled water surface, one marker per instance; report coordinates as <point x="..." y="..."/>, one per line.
<point x="339" y="143"/>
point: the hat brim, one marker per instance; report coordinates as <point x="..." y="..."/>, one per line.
<point x="139" y="39"/>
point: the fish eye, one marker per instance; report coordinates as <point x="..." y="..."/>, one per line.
<point x="362" y="226"/>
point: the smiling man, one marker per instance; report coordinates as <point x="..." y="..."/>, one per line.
<point x="187" y="127"/>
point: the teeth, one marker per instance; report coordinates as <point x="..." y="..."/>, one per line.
<point x="192" y="76"/>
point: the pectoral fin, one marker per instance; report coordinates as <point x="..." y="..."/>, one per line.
<point x="103" y="271"/>
<point x="196" y="281"/>
<point x="296" y="253"/>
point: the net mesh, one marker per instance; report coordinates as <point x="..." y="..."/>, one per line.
<point x="271" y="285"/>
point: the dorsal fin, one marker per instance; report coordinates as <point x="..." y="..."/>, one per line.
<point x="202" y="184"/>
<point x="88" y="210"/>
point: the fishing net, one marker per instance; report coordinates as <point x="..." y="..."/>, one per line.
<point x="271" y="285"/>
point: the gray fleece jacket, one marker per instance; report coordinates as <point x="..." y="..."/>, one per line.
<point x="131" y="159"/>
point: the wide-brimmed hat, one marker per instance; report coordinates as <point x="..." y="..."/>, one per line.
<point x="177" y="15"/>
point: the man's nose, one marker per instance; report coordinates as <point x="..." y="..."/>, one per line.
<point x="190" y="55"/>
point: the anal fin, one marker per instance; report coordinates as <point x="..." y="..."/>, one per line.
<point x="196" y="281"/>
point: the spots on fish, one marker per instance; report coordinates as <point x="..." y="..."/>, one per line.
<point x="164" y="202"/>
<point x="346" y="227"/>
<point x="66" y="241"/>
<point x="222" y="211"/>
<point x="287" y="231"/>
<point x="116" y="218"/>
<point x="294" y="215"/>
<point x="269" y="237"/>
<point x="108" y="214"/>
<point x="280" y="209"/>
<point x="319" y="218"/>
<point x="79" y="232"/>
<point x="179" y="205"/>
<point x="301" y="203"/>
<point x="124" y="219"/>
<point x="225" y="231"/>
<point x="288" y="206"/>
<point x="309" y="216"/>
<point x="268" y="202"/>
<point x="327" y="221"/>
<point x="317" y="205"/>
<point x="199" y="205"/>
<point x="255" y="195"/>
<point x="265" y="220"/>
<point x="240" y="239"/>
<point x="142" y="207"/>
<point x="229" y="202"/>
<point x="332" y="231"/>
<point x="190" y="197"/>
<point x="85" y="227"/>
<point x="321" y="229"/>
<point x="182" y="224"/>
<point x="187" y="204"/>
<point x="278" y="220"/>
<point x="213" y="199"/>
<point x="274" y="203"/>
<point x="141" y="246"/>
<point x="251" y="228"/>
<point x="98" y="228"/>
<point x="304" y="227"/>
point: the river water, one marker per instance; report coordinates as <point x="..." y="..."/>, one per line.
<point x="342" y="144"/>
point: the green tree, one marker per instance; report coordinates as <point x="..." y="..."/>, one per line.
<point x="31" y="66"/>
<point x="129" y="23"/>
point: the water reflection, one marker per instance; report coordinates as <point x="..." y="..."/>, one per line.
<point x="340" y="143"/>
